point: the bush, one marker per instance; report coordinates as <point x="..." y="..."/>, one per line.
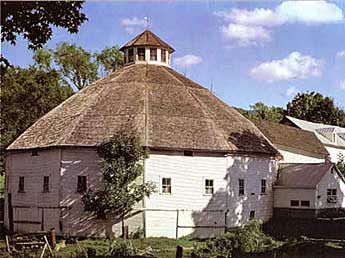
<point x="121" y="248"/>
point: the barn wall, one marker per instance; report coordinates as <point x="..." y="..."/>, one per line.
<point x="283" y="196"/>
<point x="86" y="162"/>
<point x="34" y="206"/>
<point x="334" y="152"/>
<point x="292" y="155"/>
<point x="194" y="212"/>
<point x="331" y="180"/>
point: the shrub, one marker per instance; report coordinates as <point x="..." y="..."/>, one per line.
<point x="121" y="248"/>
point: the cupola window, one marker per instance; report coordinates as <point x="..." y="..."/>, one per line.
<point x="153" y="54"/>
<point x="130" y="55"/>
<point x="163" y="56"/>
<point x="141" y="54"/>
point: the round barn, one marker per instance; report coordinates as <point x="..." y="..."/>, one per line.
<point x="212" y="167"/>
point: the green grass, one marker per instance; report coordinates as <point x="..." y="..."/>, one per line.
<point x="2" y="185"/>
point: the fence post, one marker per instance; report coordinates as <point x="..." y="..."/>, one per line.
<point x="179" y="251"/>
<point x="226" y="221"/>
<point x="177" y="215"/>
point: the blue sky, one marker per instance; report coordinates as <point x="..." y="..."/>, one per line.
<point x="249" y="51"/>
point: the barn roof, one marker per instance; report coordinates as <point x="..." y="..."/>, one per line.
<point x="303" y="175"/>
<point x="167" y="109"/>
<point x="147" y="38"/>
<point x="291" y="137"/>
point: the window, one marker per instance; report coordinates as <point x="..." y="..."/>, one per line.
<point x="240" y="186"/>
<point x="163" y="56"/>
<point x="153" y="54"/>
<point x="166" y="185"/>
<point x="263" y="186"/>
<point x="209" y="186"/>
<point x="305" y="203"/>
<point x="252" y="215"/>
<point x="21" y="185"/>
<point x="141" y="54"/>
<point x="294" y="203"/>
<point x="187" y="153"/>
<point x="331" y="195"/>
<point x="130" y="55"/>
<point x="34" y="153"/>
<point x="81" y="185"/>
<point x="46" y="184"/>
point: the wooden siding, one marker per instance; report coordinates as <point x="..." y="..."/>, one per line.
<point x="283" y="196"/>
<point x="292" y="155"/>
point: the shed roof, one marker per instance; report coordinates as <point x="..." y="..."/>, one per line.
<point x="147" y="38"/>
<point x="303" y="175"/>
<point x="167" y="109"/>
<point x="291" y="137"/>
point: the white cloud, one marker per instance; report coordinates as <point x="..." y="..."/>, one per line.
<point x="187" y="60"/>
<point x="245" y="35"/>
<point x="133" y="25"/>
<point x="341" y="54"/>
<point x="295" y="66"/>
<point x="291" y="91"/>
<point x="342" y="84"/>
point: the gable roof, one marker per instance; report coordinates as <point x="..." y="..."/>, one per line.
<point x="167" y="109"/>
<point x="147" y="38"/>
<point x="291" y="137"/>
<point x="303" y="175"/>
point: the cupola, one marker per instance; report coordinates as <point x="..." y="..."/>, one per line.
<point x="147" y="48"/>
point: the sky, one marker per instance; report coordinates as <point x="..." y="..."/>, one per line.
<point x="245" y="51"/>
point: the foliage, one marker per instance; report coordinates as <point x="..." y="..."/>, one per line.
<point x="249" y="239"/>
<point x="110" y="58"/>
<point x="34" y="19"/>
<point x="121" y="248"/>
<point x="271" y="113"/>
<point x="26" y="95"/>
<point x="316" y="108"/>
<point x="2" y="185"/>
<point x="122" y="158"/>
<point x="341" y="163"/>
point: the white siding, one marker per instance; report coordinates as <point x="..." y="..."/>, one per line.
<point x="292" y="155"/>
<point x="196" y="208"/>
<point x="334" y="152"/>
<point x="283" y="196"/>
<point x="331" y="181"/>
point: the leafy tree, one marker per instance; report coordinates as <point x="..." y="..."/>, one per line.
<point x="262" y="111"/>
<point x="341" y="163"/>
<point x="122" y="165"/>
<point x="34" y="19"/>
<point x="111" y="58"/>
<point x="316" y="108"/>
<point x="26" y="95"/>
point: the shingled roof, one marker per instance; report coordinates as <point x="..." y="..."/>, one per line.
<point x="292" y="137"/>
<point x="167" y="109"/>
<point x="147" y="38"/>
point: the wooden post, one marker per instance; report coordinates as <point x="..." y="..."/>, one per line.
<point x="177" y="215"/>
<point x="226" y="221"/>
<point x="10" y="213"/>
<point x="53" y="237"/>
<point x="179" y="251"/>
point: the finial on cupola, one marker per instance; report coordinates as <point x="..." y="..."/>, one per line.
<point x="147" y="48"/>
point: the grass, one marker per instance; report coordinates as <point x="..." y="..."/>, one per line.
<point x="2" y="184"/>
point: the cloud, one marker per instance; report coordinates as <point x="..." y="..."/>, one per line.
<point x="341" y="54"/>
<point x="187" y="60"/>
<point x="342" y="84"/>
<point x="288" y="12"/>
<point x="245" y="35"/>
<point x="291" y="91"/>
<point x="295" y="66"/>
<point x="133" y="25"/>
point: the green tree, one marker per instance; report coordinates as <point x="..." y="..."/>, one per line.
<point x="314" y="107"/>
<point x="122" y="165"/>
<point x="26" y="95"/>
<point x="262" y="111"/>
<point x="110" y="59"/>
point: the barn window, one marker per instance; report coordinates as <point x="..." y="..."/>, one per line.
<point x="21" y="185"/>
<point x="209" y="186"/>
<point x="166" y="185"/>
<point x="141" y="54"/>
<point x="263" y="186"/>
<point x="331" y="195"/>
<point x="252" y="215"/>
<point x="188" y="153"/>
<point x="163" y="56"/>
<point x="130" y="55"/>
<point x="46" y="184"/>
<point x="81" y="185"/>
<point x="294" y="203"/>
<point x="240" y="186"/>
<point x="153" y="54"/>
<point x="305" y="203"/>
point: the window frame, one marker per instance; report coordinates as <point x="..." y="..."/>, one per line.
<point x="46" y="185"/>
<point x="165" y="186"/>
<point x="21" y="184"/>
<point x="332" y="196"/>
<point x="263" y="189"/>
<point x="208" y="187"/>
<point x="79" y="190"/>
<point x="251" y="214"/>
<point x="140" y="56"/>
<point x="163" y="56"/>
<point x="305" y="203"/>
<point x="241" y="189"/>
<point x="130" y="55"/>
<point x="155" y="56"/>
<point x="296" y="203"/>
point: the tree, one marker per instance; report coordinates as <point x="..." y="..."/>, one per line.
<point x="26" y="95"/>
<point x="111" y="58"/>
<point x="122" y="165"/>
<point x="33" y="20"/>
<point x="316" y="108"/>
<point x="262" y="111"/>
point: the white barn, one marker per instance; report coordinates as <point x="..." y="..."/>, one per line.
<point x="213" y="168"/>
